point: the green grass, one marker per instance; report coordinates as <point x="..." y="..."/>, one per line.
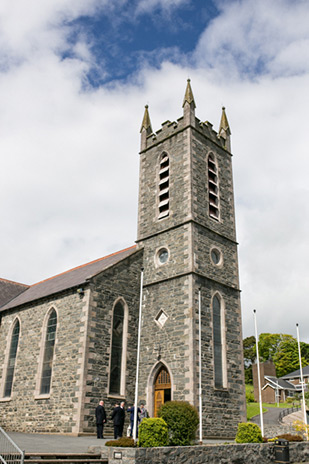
<point x="253" y="409"/>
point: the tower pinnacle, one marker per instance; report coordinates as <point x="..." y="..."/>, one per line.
<point x="146" y="124"/>
<point x="224" y="130"/>
<point x="146" y="128"/>
<point x="189" y="95"/>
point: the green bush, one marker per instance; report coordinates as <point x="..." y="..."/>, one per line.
<point x="182" y="421"/>
<point x="153" y="432"/>
<point x="123" y="442"/>
<point x="249" y="397"/>
<point x="248" y="433"/>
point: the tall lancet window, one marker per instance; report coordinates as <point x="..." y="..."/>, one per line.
<point x="118" y="352"/>
<point x="164" y="179"/>
<point x="217" y="341"/>
<point x="213" y="188"/>
<point x="48" y="353"/>
<point x="12" y="360"/>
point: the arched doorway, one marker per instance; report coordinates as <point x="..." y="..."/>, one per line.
<point x="162" y="392"/>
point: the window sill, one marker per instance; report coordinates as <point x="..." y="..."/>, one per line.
<point x="42" y="397"/>
<point x="116" y="397"/>
<point x="223" y="389"/>
<point x="5" y="400"/>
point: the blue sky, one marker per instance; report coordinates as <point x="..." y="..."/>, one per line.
<point x="126" y="36"/>
<point x="124" y="42"/>
<point x="74" y="78"/>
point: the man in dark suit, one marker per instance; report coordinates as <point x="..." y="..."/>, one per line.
<point x="118" y="417"/>
<point x="100" y="416"/>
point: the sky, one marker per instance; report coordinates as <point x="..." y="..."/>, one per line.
<point x="75" y="76"/>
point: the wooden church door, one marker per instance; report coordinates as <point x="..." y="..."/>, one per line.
<point x="162" y="389"/>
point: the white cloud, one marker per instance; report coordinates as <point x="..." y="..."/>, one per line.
<point x="252" y="36"/>
<point x="148" y="6"/>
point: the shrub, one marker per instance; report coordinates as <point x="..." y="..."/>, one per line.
<point x="249" y="397"/>
<point x="182" y="421"/>
<point x="153" y="432"/>
<point x="290" y="437"/>
<point x="248" y="433"/>
<point x="123" y="442"/>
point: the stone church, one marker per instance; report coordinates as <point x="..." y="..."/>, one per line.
<point x="71" y="340"/>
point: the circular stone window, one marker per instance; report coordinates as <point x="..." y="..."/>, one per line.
<point x="162" y="256"/>
<point x="216" y="256"/>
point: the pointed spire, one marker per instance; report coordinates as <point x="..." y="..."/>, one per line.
<point x="146" y="124"/>
<point x="146" y="129"/>
<point x="224" y="130"/>
<point x="189" y="95"/>
<point x="224" y="124"/>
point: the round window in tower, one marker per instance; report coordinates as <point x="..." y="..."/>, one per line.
<point x="216" y="256"/>
<point x="162" y="256"/>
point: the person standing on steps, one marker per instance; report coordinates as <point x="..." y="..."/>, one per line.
<point x="118" y="417"/>
<point x="100" y="416"/>
<point x="144" y="413"/>
<point x="131" y="411"/>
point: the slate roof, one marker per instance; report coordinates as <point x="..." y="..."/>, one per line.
<point x="296" y="374"/>
<point x="72" y="278"/>
<point x="9" y="290"/>
<point x="279" y="383"/>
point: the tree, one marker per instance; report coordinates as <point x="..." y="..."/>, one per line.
<point x="249" y="357"/>
<point x="281" y="348"/>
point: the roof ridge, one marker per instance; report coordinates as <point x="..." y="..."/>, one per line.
<point x="14" y="282"/>
<point x="83" y="265"/>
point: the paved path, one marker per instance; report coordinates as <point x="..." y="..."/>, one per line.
<point x="51" y="443"/>
<point x="271" y="417"/>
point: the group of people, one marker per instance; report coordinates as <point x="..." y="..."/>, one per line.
<point x="118" y="418"/>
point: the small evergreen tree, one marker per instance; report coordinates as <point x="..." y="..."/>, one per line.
<point x="153" y="432"/>
<point x="182" y="421"/>
<point x="248" y="433"/>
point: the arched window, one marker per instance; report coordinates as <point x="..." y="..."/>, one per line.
<point x="118" y="353"/>
<point x="217" y="341"/>
<point x="12" y="360"/>
<point x="48" y="353"/>
<point x="213" y="188"/>
<point x="164" y="196"/>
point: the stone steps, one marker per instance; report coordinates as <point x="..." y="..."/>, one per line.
<point x="64" y="458"/>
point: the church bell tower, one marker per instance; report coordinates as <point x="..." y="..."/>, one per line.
<point x="186" y="227"/>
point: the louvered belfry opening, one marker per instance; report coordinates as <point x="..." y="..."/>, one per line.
<point x="213" y="190"/>
<point x="164" y="196"/>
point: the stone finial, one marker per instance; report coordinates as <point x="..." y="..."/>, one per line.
<point x="224" y="130"/>
<point x="224" y="124"/>
<point x="146" y="124"/>
<point x="189" y="95"/>
<point x="146" y="129"/>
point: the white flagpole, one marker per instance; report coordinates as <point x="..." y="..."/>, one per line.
<point x="200" y="365"/>
<point x="302" y="381"/>
<point x="138" y="353"/>
<point x="258" y="370"/>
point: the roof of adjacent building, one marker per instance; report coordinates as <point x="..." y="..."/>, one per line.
<point x="9" y="290"/>
<point x="69" y="279"/>
<point x="281" y="384"/>
<point x="296" y="374"/>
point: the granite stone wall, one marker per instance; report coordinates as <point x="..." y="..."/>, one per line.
<point x="119" y="283"/>
<point x="252" y="453"/>
<point x="26" y="410"/>
<point x="189" y="234"/>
